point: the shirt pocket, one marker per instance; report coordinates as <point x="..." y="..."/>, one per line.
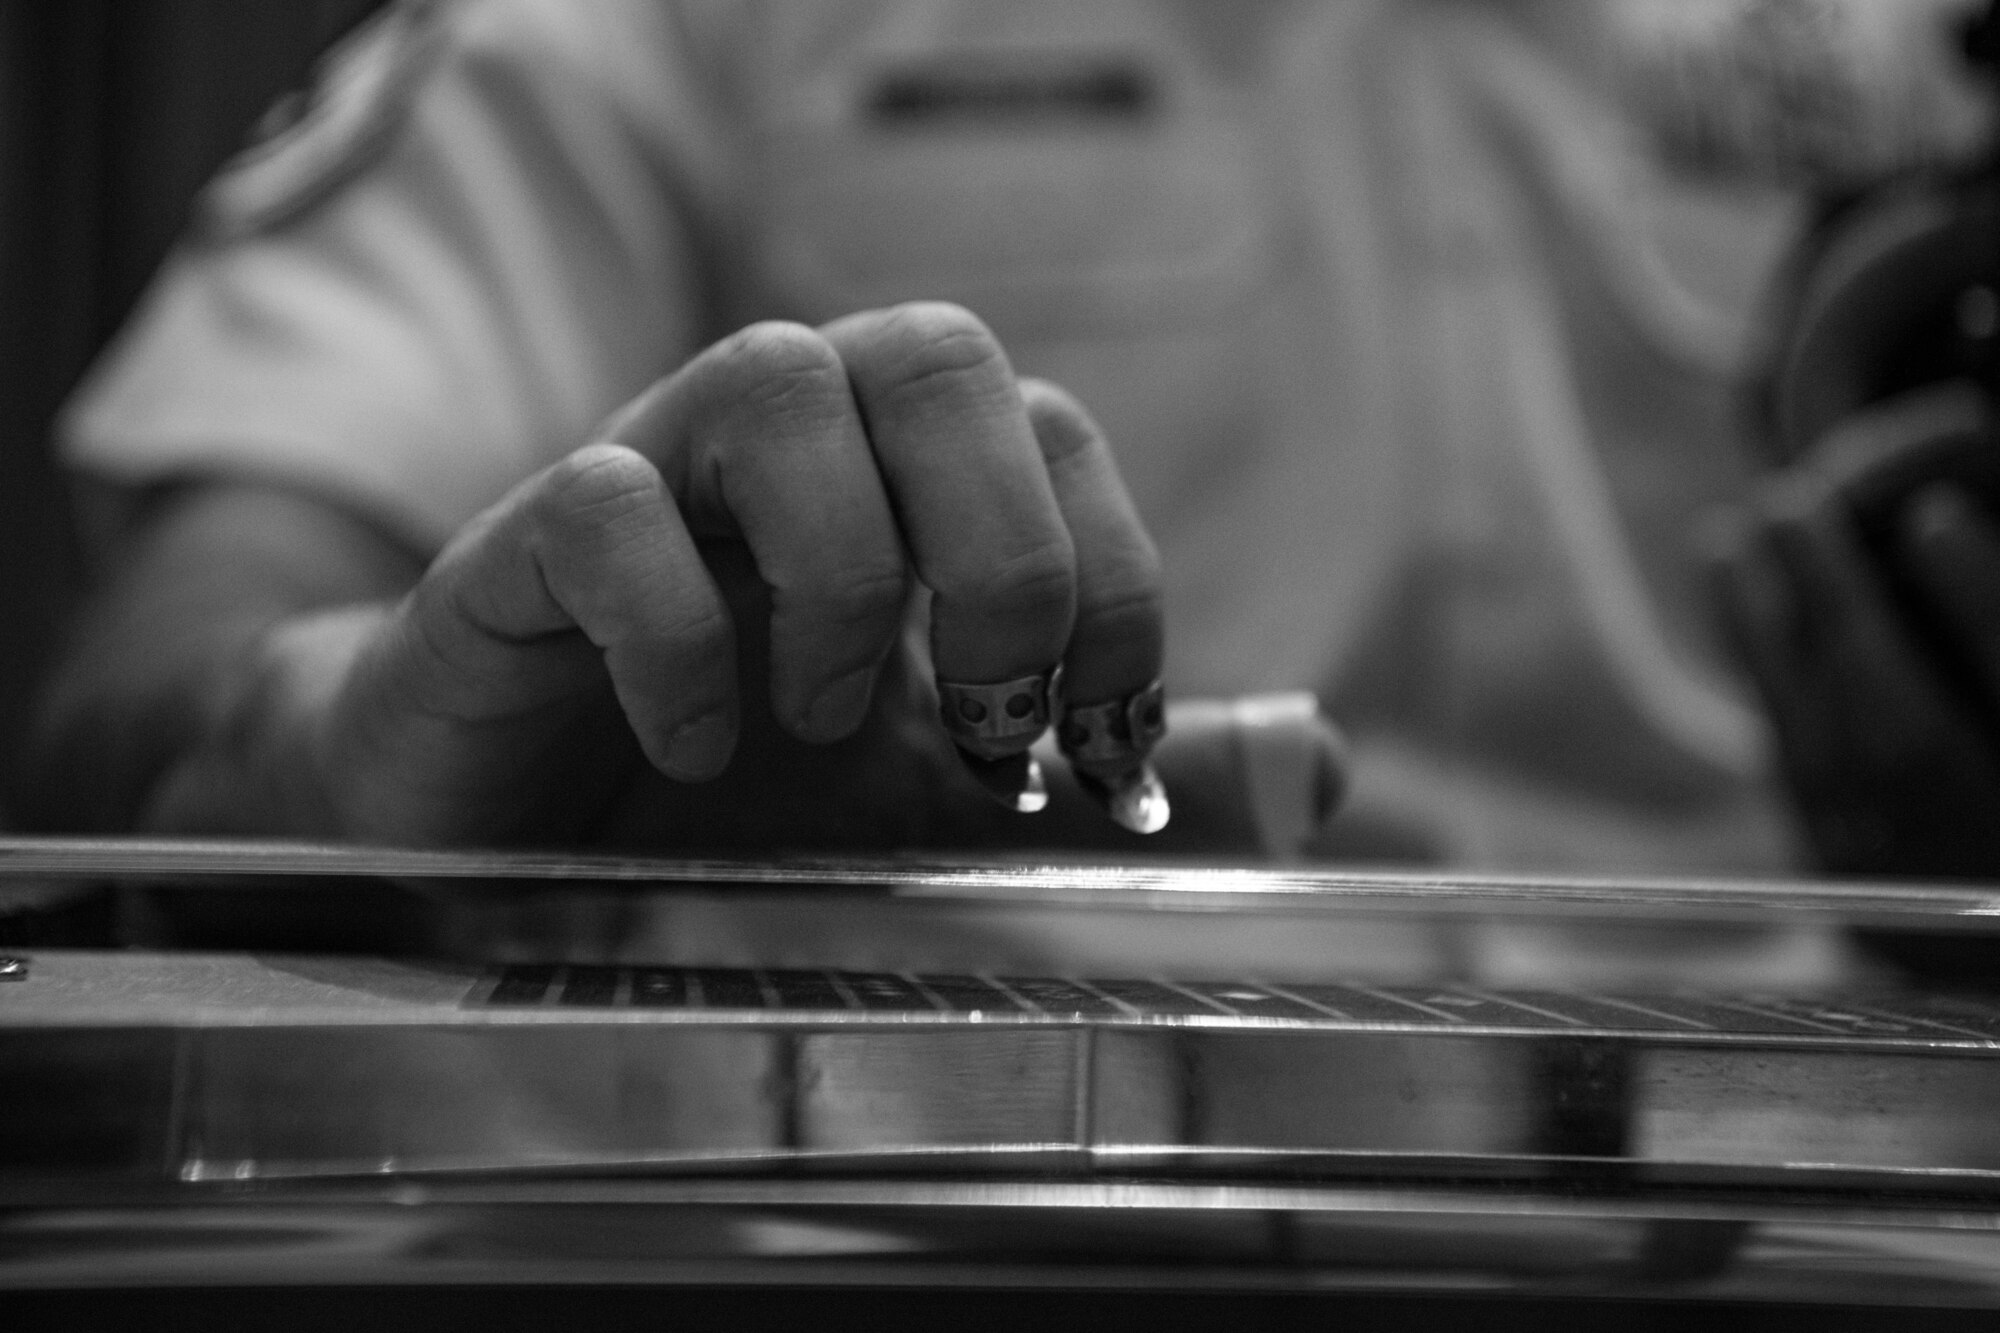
<point x="1046" y="226"/>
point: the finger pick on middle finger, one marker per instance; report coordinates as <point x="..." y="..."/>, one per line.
<point x="1114" y="707"/>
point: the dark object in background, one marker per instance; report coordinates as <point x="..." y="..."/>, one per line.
<point x="113" y="113"/>
<point x="1895" y="292"/>
<point x="1884" y="379"/>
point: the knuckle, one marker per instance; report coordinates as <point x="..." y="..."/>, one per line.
<point x="1063" y="429"/>
<point x="1036" y="584"/>
<point x="700" y="629"/>
<point x="780" y="366"/>
<point x="596" y="486"/>
<point x="930" y="347"/>
<point x="862" y="594"/>
<point x="1125" y="608"/>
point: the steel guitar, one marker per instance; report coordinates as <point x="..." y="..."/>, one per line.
<point x="574" y="1128"/>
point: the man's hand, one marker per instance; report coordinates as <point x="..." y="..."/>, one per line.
<point x="1863" y="591"/>
<point x="693" y="630"/>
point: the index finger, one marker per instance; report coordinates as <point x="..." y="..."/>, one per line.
<point x="759" y="437"/>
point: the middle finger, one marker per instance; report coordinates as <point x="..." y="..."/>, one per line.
<point x="966" y="479"/>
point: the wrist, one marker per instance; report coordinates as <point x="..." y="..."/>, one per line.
<point x="266" y="758"/>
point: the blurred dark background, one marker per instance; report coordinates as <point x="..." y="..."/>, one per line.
<point x="112" y="115"/>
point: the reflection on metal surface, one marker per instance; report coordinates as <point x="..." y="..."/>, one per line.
<point x="231" y="1068"/>
<point x="224" y="1121"/>
<point x="193" y="1118"/>
<point x="980" y="1236"/>
<point x="268" y="866"/>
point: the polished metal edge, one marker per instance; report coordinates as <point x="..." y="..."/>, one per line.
<point x="275" y="866"/>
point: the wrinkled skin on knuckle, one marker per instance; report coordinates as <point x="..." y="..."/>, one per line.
<point x="772" y="392"/>
<point x="1037" y="585"/>
<point x="598" y="487"/>
<point x="589" y="511"/>
<point x="933" y="349"/>
<point x="858" y="595"/>
<point x="592" y="523"/>
<point x="701" y="632"/>
<point x="487" y="584"/>
<point x="1128" y="608"/>
<point x="775" y="367"/>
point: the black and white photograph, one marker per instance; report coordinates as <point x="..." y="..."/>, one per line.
<point x="1000" y="664"/>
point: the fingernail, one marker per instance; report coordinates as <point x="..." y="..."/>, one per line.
<point x="838" y="710"/>
<point x="1136" y="800"/>
<point x="1016" y="782"/>
<point x="701" y="749"/>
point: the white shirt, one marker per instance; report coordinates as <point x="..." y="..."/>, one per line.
<point x="1360" y="292"/>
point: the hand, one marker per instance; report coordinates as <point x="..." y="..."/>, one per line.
<point x="692" y="631"/>
<point x="1863" y="592"/>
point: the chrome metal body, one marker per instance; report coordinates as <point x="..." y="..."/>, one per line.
<point x="280" y="866"/>
<point x="228" y="1118"/>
